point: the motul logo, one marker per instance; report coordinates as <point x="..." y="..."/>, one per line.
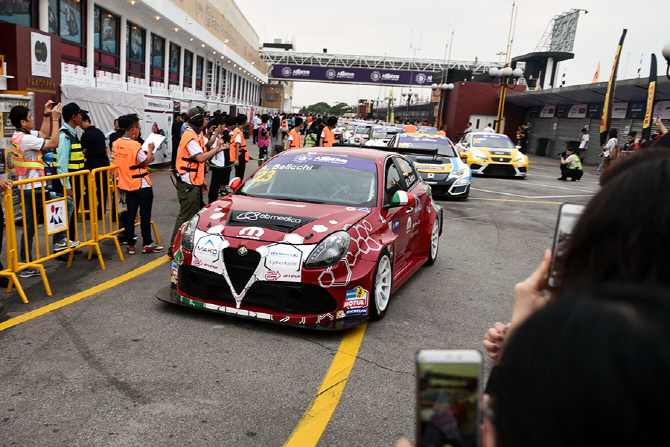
<point x="251" y="232"/>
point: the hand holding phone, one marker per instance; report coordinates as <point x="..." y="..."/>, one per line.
<point x="448" y="397"/>
<point x="568" y="216"/>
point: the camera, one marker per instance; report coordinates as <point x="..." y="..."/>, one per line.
<point x="563" y="154"/>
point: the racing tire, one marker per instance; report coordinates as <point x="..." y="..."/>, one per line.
<point x="382" y="284"/>
<point x="434" y="242"/>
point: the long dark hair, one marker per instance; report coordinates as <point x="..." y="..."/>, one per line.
<point x="587" y="371"/>
<point x="275" y="126"/>
<point x="623" y="234"/>
<point x="613" y="133"/>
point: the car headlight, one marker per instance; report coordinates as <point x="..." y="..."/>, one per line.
<point x="458" y="173"/>
<point x="519" y="157"/>
<point x="189" y="232"/>
<point x="330" y="251"/>
<point x="478" y="155"/>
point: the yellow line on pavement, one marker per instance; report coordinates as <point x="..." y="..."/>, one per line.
<point x="85" y="294"/>
<point x="511" y="200"/>
<point x="316" y="418"/>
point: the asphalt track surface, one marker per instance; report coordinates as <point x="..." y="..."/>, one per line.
<point x="116" y="367"/>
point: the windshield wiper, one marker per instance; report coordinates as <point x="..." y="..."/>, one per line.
<point x="290" y="199"/>
<point x="242" y="193"/>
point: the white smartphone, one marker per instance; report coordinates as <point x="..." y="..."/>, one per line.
<point x="448" y="397"/>
<point x="568" y="215"/>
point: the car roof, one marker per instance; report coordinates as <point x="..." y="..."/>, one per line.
<point x="488" y="134"/>
<point x="419" y="136"/>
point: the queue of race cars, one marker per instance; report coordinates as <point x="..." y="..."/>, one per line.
<point x="322" y="238"/>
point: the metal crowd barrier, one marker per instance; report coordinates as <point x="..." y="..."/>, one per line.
<point x="55" y="215"/>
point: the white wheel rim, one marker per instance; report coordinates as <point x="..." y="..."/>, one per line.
<point x="435" y="239"/>
<point x="383" y="284"/>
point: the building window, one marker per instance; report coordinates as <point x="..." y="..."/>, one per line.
<point x="198" y="72"/>
<point x="70" y="18"/>
<point x="157" y="58"/>
<point x="175" y="56"/>
<point x="106" y="41"/>
<point x="223" y="81"/>
<point x="16" y="11"/>
<point x="135" y="44"/>
<point x="188" y="69"/>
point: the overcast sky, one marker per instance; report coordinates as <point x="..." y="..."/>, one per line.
<point x="379" y="27"/>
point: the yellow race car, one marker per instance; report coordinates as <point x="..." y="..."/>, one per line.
<point x="492" y="154"/>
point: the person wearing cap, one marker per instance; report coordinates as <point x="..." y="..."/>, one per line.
<point x="190" y="167"/>
<point x="28" y="147"/>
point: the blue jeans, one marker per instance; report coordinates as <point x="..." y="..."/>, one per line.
<point x="29" y="227"/>
<point x="143" y="199"/>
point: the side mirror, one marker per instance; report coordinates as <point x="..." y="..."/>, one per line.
<point x="401" y="198"/>
<point x="235" y="183"/>
<point x="517" y="147"/>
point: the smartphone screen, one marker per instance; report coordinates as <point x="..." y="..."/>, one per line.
<point x="448" y="398"/>
<point x="568" y="216"/>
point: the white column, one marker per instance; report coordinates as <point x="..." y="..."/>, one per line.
<point x="181" y="68"/>
<point x="123" y="48"/>
<point x="43" y="14"/>
<point x="166" y="63"/>
<point x="90" y="43"/>
<point x="147" y="57"/>
<point x="549" y="72"/>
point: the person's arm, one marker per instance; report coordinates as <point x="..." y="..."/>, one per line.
<point x="287" y="146"/>
<point x="63" y="152"/>
<point x="46" y="120"/>
<point x="203" y="157"/>
<point x="150" y="156"/>
<point x="660" y="125"/>
<point x="564" y="161"/>
<point x="53" y="142"/>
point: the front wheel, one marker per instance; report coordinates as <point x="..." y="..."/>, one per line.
<point x="382" y="284"/>
<point x="434" y="242"/>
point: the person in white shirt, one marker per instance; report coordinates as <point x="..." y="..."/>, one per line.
<point x="607" y="149"/>
<point x="583" y="143"/>
<point x="256" y="123"/>
<point x="489" y="129"/>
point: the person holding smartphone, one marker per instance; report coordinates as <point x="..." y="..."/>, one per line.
<point x="134" y="179"/>
<point x="631" y="145"/>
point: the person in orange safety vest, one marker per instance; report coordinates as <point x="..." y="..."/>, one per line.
<point x="294" y="139"/>
<point x="134" y="179"/>
<point x="327" y="135"/>
<point x="238" y="148"/>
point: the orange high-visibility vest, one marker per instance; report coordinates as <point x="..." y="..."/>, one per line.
<point x="443" y="133"/>
<point x="410" y="129"/>
<point x="297" y="140"/>
<point x="187" y="164"/>
<point x="130" y="173"/>
<point x="329" y="137"/>
<point x="20" y="162"/>
<point x="243" y="145"/>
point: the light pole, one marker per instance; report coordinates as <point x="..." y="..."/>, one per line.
<point x="666" y="55"/>
<point x="390" y="115"/>
<point x="504" y="74"/>
<point x="443" y="89"/>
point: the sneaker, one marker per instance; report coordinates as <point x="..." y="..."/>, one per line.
<point x="123" y="241"/>
<point x="131" y="249"/>
<point x="27" y="273"/>
<point x="153" y="248"/>
<point x="561" y="178"/>
<point x="60" y="246"/>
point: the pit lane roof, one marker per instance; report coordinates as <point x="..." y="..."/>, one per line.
<point x="627" y="90"/>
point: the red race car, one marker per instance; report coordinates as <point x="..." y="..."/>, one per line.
<point x="311" y="239"/>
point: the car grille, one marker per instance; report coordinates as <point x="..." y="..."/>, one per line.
<point x="501" y="159"/>
<point x="277" y="297"/>
<point x="240" y="268"/>
<point x="499" y="170"/>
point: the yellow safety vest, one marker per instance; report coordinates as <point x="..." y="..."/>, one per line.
<point x="76" y="162"/>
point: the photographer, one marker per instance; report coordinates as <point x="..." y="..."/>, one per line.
<point x="571" y="166"/>
<point x="631" y="145"/>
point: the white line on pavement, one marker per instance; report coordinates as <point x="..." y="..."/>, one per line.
<point x="532" y="197"/>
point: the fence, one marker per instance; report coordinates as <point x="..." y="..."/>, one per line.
<point x="93" y="199"/>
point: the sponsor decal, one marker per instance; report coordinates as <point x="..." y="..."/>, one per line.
<point x="173" y="273"/>
<point x="395" y="225"/>
<point x="273" y="221"/>
<point x="292" y="167"/>
<point x="356" y="302"/>
<point x="320" y="228"/>
<point x="272" y="275"/>
<point x="376" y="76"/>
<point x="430" y="175"/>
<point x="365" y="210"/>
<point x="55" y="216"/>
<point x="350" y="208"/>
<point x="251" y="233"/>
<point x="207" y="252"/>
<point x="285" y="263"/>
<point x="330" y="74"/>
<point x="311" y="160"/>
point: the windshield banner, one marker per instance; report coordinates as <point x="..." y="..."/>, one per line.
<point x="352" y="75"/>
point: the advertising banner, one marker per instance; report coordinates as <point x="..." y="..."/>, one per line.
<point x="651" y="94"/>
<point x="40" y="55"/>
<point x="548" y="112"/>
<point x="272" y="95"/>
<point x="636" y="109"/>
<point x="662" y="110"/>
<point x="562" y="111"/>
<point x="352" y="75"/>
<point x="578" y="111"/>
<point x="595" y="110"/>
<point x="619" y="109"/>
<point x="158" y="117"/>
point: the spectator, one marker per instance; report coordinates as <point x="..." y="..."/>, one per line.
<point x="93" y="145"/>
<point x="184" y="125"/>
<point x="327" y="138"/>
<point x="609" y="147"/>
<point x="263" y="139"/>
<point x="571" y="166"/>
<point x="277" y="135"/>
<point x="239" y="153"/>
<point x="631" y="145"/>
<point x="221" y="163"/>
<point x="523" y="142"/>
<point x="583" y="143"/>
<point x="294" y="139"/>
<point x="134" y="179"/>
<point x="29" y="147"/>
<point x="255" y="124"/>
<point x="489" y="129"/>
<point x="468" y="129"/>
<point x="116" y="129"/>
<point x="176" y="136"/>
<point x="115" y="136"/>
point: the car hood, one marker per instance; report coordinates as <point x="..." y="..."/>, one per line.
<point x="498" y="152"/>
<point x="273" y="220"/>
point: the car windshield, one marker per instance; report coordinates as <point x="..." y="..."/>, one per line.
<point x="492" y="141"/>
<point x="423" y="145"/>
<point x="383" y="133"/>
<point x="350" y="127"/>
<point x="361" y="130"/>
<point x="317" y="178"/>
